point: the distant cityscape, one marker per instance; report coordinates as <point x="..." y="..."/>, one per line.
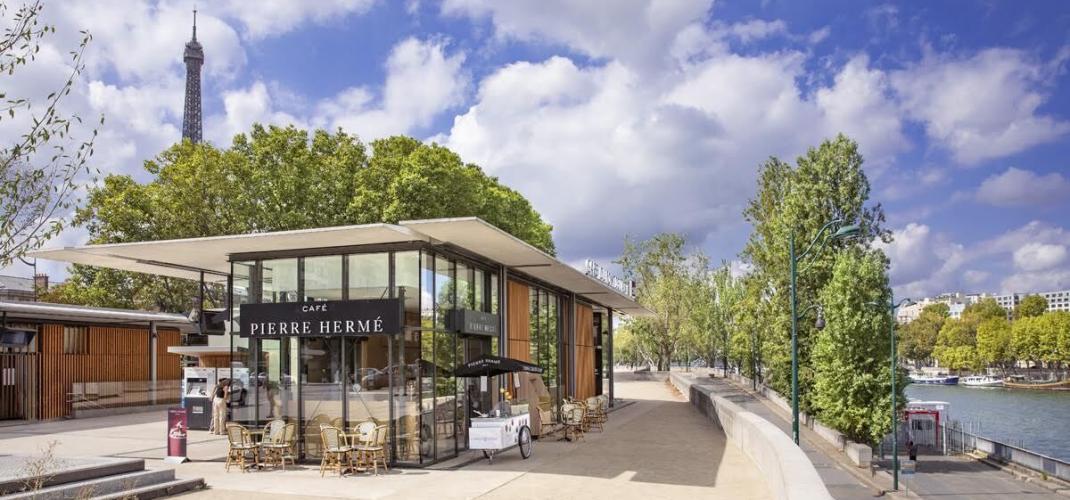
<point x="957" y="302"/>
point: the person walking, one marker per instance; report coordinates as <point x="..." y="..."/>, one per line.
<point x="912" y="451"/>
<point x="219" y="407"/>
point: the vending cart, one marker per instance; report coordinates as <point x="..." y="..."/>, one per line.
<point x="506" y="427"/>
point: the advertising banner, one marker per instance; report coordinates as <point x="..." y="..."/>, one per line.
<point x="331" y="318"/>
<point x="177" y="430"/>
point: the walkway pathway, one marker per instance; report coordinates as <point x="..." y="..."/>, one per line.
<point x="937" y="477"/>
<point x="657" y="447"/>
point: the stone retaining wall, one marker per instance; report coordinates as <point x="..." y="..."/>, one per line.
<point x="789" y="474"/>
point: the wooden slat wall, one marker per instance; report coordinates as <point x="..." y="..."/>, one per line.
<point x="519" y="311"/>
<point x="114" y="354"/>
<point x="584" y="352"/>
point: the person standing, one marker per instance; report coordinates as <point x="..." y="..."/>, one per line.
<point x="219" y="407"/>
<point x="912" y="451"/>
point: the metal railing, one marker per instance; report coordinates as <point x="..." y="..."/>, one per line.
<point x="961" y="440"/>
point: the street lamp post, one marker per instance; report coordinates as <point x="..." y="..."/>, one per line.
<point x="841" y="233"/>
<point x="892" y="306"/>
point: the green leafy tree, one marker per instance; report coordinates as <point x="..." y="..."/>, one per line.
<point x="827" y="183"/>
<point x="918" y="338"/>
<point x="1053" y="334"/>
<point x="995" y="343"/>
<point x="975" y="313"/>
<point x="956" y="345"/>
<point x="1026" y="338"/>
<point x="42" y="169"/>
<point x="276" y="179"/>
<point x="664" y="273"/>
<point x="852" y="387"/>
<point x="1031" y="306"/>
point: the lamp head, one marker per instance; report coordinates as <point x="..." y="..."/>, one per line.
<point x="847" y="231"/>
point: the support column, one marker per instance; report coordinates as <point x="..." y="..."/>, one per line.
<point x="153" y="359"/>
<point x="503" y="310"/>
<point x="609" y="356"/>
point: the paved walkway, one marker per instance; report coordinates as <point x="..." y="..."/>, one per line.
<point x="937" y="477"/>
<point x="842" y="484"/>
<point x="657" y="447"/>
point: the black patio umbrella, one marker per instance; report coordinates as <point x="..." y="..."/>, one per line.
<point x="487" y="365"/>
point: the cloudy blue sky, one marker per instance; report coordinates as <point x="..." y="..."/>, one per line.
<point x="639" y="116"/>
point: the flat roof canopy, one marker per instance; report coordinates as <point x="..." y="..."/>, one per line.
<point x="45" y="311"/>
<point x="187" y="258"/>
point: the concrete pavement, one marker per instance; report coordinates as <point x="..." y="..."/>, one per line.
<point x="657" y="447"/>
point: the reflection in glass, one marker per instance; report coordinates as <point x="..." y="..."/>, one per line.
<point x="445" y="290"/>
<point x="242" y="401"/>
<point x="465" y="298"/>
<point x="427" y="394"/>
<point x="278" y="281"/>
<point x="323" y="278"/>
<point x="276" y="390"/>
<point x="427" y="291"/>
<point x="407" y="281"/>
<point x="369" y="276"/>
<point x="445" y="395"/>
<point x="478" y="290"/>
<point x="407" y="430"/>
<point x="321" y="388"/>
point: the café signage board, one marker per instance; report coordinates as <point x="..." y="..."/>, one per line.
<point x="469" y="322"/>
<point x="332" y="318"/>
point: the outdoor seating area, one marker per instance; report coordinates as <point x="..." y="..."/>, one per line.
<point x="577" y="417"/>
<point x="359" y="449"/>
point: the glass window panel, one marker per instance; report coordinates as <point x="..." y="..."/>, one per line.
<point x="533" y="319"/>
<point x="407" y="399"/>
<point x="279" y="281"/>
<point x="321" y="388"/>
<point x="323" y="278"/>
<point x="242" y="399"/>
<point x="427" y="395"/>
<point x="465" y="290"/>
<point x="276" y="382"/>
<point x="445" y="395"/>
<point x="494" y="293"/>
<point x="445" y="290"/>
<point x="369" y="276"/>
<point x="479" y="279"/>
<point x="368" y="379"/>
<point x="407" y="280"/>
<point x="427" y="291"/>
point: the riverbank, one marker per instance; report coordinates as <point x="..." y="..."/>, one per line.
<point x="1034" y="420"/>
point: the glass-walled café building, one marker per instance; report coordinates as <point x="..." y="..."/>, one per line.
<point x="347" y="324"/>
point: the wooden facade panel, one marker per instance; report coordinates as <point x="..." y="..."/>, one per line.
<point x="584" y="352"/>
<point x="519" y="320"/>
<point x="113" y="358"/>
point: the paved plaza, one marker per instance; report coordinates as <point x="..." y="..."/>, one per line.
<point x="656" y="447"/>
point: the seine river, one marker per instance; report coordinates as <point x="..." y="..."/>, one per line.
<point x="1038" y="421"/>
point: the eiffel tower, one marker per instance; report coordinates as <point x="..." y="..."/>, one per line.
<point x="194" y="58"/>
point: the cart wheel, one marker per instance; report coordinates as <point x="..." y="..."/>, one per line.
<point x="525" y="441"/>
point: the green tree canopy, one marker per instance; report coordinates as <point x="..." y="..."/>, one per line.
<point x="827" y="183"/>
<point x="1031" y="306"/>
<point x="995" y="342"/>
<point x="918" y="338"/>
<point x="276" y="179"/>
<point x="851" y="355"/>
<point x="956" y="345"/>
<point x="982" y="310"/>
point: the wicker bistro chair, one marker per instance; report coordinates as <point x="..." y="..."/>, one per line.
<point x="239" y="446"/>
<point x="336" y="453"/>
<point x="595" y="416"/>
<point x="372" y="453"/>
<point x="572" y="415"/>
<point x="278" y="446"/>
<point x="547" y="425"/>
<point x="366" y="430"/>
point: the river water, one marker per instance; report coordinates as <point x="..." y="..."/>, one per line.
<point x="1038" y="421"/>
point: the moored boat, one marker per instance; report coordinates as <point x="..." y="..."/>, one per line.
<point x="981" y="381"/>
<point x="935" y="380"/>
<point x="1060" y="385"/>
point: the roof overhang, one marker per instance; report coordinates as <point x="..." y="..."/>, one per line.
<point x="45" y="311"/>
<point x="187" y="258"/>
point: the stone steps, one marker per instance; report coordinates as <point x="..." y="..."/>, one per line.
<point x="120" y="479"/>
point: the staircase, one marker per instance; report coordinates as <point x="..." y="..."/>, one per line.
<point x="114" y="479"/>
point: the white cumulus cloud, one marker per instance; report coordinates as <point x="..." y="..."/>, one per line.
<point x="1024" y="187"/>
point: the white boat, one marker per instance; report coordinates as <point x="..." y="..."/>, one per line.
<point x="935" y="380"/>
<point x="981" y="381"/>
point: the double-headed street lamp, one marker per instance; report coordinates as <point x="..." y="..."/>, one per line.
<point x="841" y="233"/>
<point x="892" y="306"/>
